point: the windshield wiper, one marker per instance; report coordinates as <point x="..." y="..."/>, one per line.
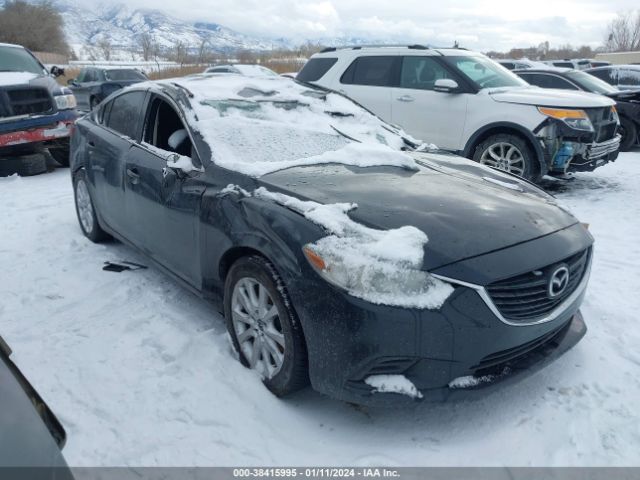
<point x="348" y="137"/>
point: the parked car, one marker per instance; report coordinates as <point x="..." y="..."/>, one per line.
<point x="94" y="84"/>
<point x="35" y="113"/>
<point x="464" y="102"/>
<point x="243" y="69"/>
<point x="576" y="63"/>
<point x="32" y="437"/>
<point x="628" y="102"/>
<point x="521" y="64"/>
<point x="624" y="77"/>
<point x="305" y="218"/>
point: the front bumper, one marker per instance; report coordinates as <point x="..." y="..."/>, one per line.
<point x="349" y="340"/>
<point x="596" y="155"/>
<point x="38" y="129"/>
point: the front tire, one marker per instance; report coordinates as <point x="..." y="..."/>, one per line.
<point x="629" y="133"/>
<point x="509" y="153"/>
<point x="263" y="326"/>
<point x="85" y="209"/>
<point x="60" y="154"/>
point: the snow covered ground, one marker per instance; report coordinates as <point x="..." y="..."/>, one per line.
<point x="140" y="373"/>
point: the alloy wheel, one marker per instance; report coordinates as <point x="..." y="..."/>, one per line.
<point x="504" y="156"/>
<point x="256" y="322"/>
<point x="85" y="207"/>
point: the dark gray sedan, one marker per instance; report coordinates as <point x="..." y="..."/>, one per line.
<point x="342" y="251"/>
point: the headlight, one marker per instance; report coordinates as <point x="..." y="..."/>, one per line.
<point x="65" y="102"/>
<point x="614" y="114"/>
<point x="377" y="281"/>
<point x="577" y="119"/>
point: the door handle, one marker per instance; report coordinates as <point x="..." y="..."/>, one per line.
<point x="91" y="143"/>
<point x="133" y="174"/>
<point x="405" y="98"/>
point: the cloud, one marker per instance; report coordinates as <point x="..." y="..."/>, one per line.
<point x="476" y="24"/>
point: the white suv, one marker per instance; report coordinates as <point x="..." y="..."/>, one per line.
<point x="464" y="102"/>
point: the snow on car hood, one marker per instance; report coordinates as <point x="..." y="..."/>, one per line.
<point x="16" y="78"/>
<point x="372" y="264"/>
<point x="549" y="97"/>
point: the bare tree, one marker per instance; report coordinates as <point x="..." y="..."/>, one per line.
<point x="203" y="51"/>
<point x="104" y="45"/>
<point x="179" y="53"/>
<point x="146" y="42"/>
<point x="36" y="26"/>
<point x="623" y="33"/>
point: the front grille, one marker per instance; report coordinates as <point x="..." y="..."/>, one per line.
<point x="526" y="298"/>
<point x="29" y="101"/>
<point x="604" y="123"/>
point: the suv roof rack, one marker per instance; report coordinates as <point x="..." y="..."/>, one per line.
<point x="382" y="45"/>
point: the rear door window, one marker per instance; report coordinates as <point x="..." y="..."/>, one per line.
<point x="372" y="71"/>
<point x="124" y="113"/>
<point x="315" y="69"/>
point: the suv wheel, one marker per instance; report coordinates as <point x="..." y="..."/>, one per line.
<point x="85" y="210"/>
<point x="629" y="134"/>
<point x="509" y="153"/>
<point x="263" y="326"/>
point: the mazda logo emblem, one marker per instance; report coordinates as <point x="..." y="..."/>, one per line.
<point x="558" y="281"/>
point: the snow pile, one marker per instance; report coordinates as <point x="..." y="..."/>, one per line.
<point x="393" y="384"/>
<point x="470" y="381"/>
<point x="379" y="266"/>
<point x="260" y="125"/>
<point x="15" y="78"/>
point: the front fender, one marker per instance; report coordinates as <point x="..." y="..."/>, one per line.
<point x="504" y="126"/>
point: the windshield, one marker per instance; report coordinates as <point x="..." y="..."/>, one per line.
<point x="122" y="74"/>
<point x="591" y="83"/>
<point x="14" y="59"/>
<point x="257" y="125"/>
<point x="483" y="72"/>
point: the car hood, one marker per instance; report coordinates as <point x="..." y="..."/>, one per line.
<point x="549" y="97"/>
<point x="626" y="96"/>
<point x="464" y="208"/>
<point x="10" y="79"/>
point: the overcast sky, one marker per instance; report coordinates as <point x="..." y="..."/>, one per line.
<point x="482" y="25"/>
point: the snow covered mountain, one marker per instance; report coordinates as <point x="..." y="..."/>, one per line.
<point x="121" y="25"/>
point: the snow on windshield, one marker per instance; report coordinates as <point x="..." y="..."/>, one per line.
<point x="379" y="266"/>
<point x="261" y="125"/>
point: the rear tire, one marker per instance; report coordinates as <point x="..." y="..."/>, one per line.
<point x="23" y="165"/>
<point x="509" y="153"/>
<point x="85" y="210"/>
<point x="629" y="133"/>
<point x="263" y="326"/>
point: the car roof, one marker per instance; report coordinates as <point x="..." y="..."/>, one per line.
<point x="407" y="49"/>
<point x="547" y="70"/>
<point x="13" y="45"/>
<point x="225" y="86"/>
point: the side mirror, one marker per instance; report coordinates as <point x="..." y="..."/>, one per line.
<point x="178" y="164"/>
<point x="71" y="81"/>
<point x="446" y="85"/>
<point x="56" y="71"/>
